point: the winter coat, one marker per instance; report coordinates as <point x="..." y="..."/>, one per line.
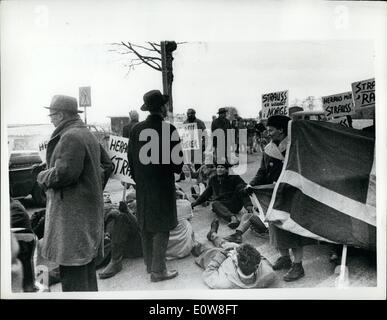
<point x="155" y="181"/>
<point x="128" y="128"/>
<point x="73" y="182"/>
<point x="221" y="188"/>
<point x="271" y="164"/>
<point x="223" y="124"/>
<point x="181" y="239"/>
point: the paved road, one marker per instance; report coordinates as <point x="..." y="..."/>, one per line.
<point x="319" y="271"/>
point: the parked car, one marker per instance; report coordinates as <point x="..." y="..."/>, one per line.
<point x="309" y="115"/>
<point x="23" y="169"/>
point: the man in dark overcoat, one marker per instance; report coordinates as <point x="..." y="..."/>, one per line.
<point x="77" y="169"/>
<point x="221" y="124"/>
<point x="154" y="155"/>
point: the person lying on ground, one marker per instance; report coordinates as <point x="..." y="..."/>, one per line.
<point x="232" y="266"/>
<point x="226" y="191"/>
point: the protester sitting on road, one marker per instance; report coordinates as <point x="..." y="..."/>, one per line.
<point x="182" y="237"/>
<point x="232" y="266"/>
<point x="122" y="235"/>
<point x="227" y="193"/>
<point x="269" y="172"/>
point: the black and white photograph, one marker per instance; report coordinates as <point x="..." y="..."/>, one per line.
<point x="193" y="150"/>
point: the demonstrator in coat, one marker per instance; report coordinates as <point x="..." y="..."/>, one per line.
<point x="154" y="155"/>
<point x="77" y="169"/>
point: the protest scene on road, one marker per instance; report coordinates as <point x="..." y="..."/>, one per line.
<point x="166" y="181"/>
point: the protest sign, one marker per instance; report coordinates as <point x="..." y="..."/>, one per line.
<point x="84" y="96"/>
<point x="42" y="147"/>
<point x="338" y="105"/>
<point x="364" y="94"/>
<point x="189" y="136"/>
<point x="118" y="153"/>
<point x="275" y="103"/>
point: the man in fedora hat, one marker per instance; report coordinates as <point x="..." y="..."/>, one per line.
<point x="155" y="181"/>
<point x="220" y="126"/>
<point x="77" y="170"/>
<point x="226" y="190"/>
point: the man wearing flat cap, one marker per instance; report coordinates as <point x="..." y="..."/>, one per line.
<point x="220" y="125"/>
<point x="77" y="170"/>
<point x="152" y="150"/>
<point x="268" y="173"/>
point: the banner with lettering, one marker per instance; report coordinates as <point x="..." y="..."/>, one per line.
<point x="364" y="94"/>
<point x="118" y="152"/>
<point x="42" y="147"/>
<point x="189" y="136"/>
<point x="275" y="103"/>
<point x="338" y="105"/>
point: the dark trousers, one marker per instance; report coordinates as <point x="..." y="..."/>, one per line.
<point x="79" y="278"/>
<point x="228" y="208"/>
<point x="125" y="237"/>
<point x="154" y="246"/>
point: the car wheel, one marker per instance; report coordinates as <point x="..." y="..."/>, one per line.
<point x="39" y="196"/>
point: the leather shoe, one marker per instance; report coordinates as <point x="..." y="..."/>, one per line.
<point x="165" y="275"/>
<point x="282" y="263"/>
<point x="235" y="237"/>
<point x="111" y="270"/>
<point x="295" y="273"/>
<point x="234" y="223"/>
<point x="214" y="229"/>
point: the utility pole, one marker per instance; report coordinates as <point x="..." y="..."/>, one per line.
<point x="167" y="47"/>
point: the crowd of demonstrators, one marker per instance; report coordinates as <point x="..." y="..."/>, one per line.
<point x="154" y="221"/>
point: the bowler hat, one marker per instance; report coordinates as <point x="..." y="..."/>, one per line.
<point x="64" y="103"/>
<point x="222" y="110"/>
<point x="153" y="100"/>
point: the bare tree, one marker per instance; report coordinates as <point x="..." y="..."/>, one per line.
<point x="148" y="54"/>
<point x="157" y="56"/>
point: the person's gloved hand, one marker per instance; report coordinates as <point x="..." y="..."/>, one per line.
<point x="123" y="207"/>
<point x="36" y="168"/>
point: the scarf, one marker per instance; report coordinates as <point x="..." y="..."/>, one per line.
<point x="274" y="151"/>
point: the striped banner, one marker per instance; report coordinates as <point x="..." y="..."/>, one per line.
<point x="326" y="190"/>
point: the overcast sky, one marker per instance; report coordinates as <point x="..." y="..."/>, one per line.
<point x="234" y="53"/>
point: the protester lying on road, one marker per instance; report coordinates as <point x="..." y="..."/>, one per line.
<point x="232" y="266"/>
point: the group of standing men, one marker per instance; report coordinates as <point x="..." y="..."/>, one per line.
<point x="78" y="169"/>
